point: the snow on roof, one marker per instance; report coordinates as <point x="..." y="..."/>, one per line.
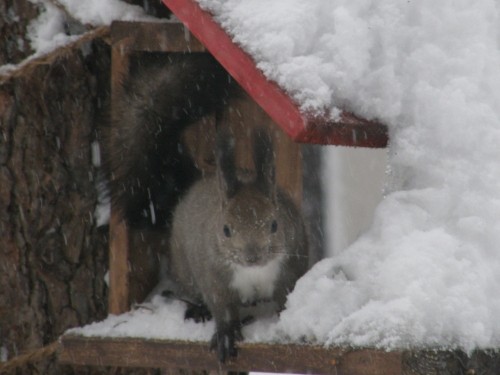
<point x="322" y="125"/>
<point x="428" y="271"/>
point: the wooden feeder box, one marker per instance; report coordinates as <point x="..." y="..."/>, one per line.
<point x="266" y="105"/>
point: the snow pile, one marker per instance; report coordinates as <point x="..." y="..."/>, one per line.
<point x="159" y="319"/>
<point x="103" y="12"/>
<point x="428" y="271"/>
<point x="50" y="29"/>
<point x="46" y="32"/>
<point x="55" y="27"/>
<point x="163" y="318"/>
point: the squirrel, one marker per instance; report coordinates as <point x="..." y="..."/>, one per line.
<point x="235" y="243"/>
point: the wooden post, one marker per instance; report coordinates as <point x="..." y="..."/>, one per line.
<point x="118" y="300"/>
<point x="130" y="274"/>
<point x="119" y="243"/>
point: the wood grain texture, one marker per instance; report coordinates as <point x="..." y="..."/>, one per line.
<point x="118" y="297"/>
<point x="155" y="37"/>
<point x="289" y="358"/>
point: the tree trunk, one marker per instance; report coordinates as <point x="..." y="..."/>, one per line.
<point x="53" y="257"/>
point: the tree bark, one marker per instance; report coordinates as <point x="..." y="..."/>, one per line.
<point x="53" y="257"/>
<point x="456" y="362"/>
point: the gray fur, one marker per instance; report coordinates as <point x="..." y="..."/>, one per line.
<point x="204" y="259"/>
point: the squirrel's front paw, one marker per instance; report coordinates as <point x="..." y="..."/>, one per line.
<point x="198" y="313"/>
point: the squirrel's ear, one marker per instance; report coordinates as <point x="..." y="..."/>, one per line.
<point x="263" y="153"/>
<point x="226" y="167"/>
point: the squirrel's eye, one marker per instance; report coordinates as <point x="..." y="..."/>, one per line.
<point x="274" y="226"/>
<point x="227" y="231"/>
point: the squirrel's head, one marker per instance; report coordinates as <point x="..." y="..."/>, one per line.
<point x="250" y="232"/>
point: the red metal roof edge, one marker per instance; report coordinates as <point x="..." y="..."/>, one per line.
<point x="349" y="131"/>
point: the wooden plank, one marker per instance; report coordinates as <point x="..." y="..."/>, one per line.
<point x="156" y="36"/>
<point x="347" y="131"/>
<point x="119" y="244"/>
<point x="288" y="165"/>
<point x="291" y="358"/>
<point x="118" y="300"/>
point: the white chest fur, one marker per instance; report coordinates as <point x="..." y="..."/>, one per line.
<point x="256" y="283"/>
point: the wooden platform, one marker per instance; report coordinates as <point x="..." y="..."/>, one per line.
<point x="291" y="358"/>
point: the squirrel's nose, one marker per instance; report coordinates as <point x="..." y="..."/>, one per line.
<point x="251" y="254"/>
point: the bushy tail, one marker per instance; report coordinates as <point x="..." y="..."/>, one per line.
<point x="145" y="161"/>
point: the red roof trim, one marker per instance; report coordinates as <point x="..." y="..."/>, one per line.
<point x="349" y="131"/>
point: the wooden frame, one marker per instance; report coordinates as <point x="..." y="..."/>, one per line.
<point x="126" y="38"/>
<point x="131" y="37"/>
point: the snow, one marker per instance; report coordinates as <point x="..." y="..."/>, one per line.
<point x="426" y="272"/>
<point x="102" y="212"/>
<point x="99" y="12"/>
<point x="163" y="318"/>
<point x="48" y="31"/>
<point x="157" y="320"/>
